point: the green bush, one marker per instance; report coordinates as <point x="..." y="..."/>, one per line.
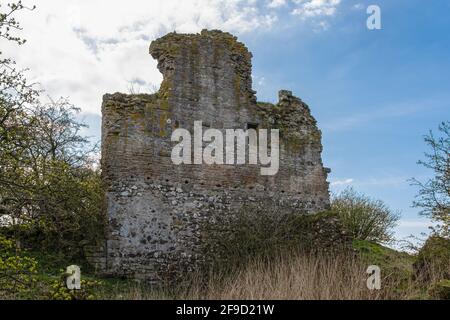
<point x="50" y="188"/>
<point x="21" y="279"/>
<point x="17" y="272"/>
<point x="59" y="291"/>
<point x="440" y="290"/>
<point x="395" y="266"/>
<point x="433" y="260"/>
<point x="71" y="216"/>
<point x="364" y="218"/>
<point x="259" y="231"/>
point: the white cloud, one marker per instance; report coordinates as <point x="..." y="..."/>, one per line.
<point x="315" y="8"/>
<point x="259" y="81"/>
<point x="276" y="3"/>
<point x="322" y="26"/>
<point x="358" y="6"/>
<point x="342" y="182"/>
<point x="83" y="49"/>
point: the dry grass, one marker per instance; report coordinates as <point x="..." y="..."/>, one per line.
<point x="295" y="277"/>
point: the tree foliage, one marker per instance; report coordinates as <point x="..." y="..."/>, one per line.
<point x="364" y="218"/>
<point x="50" y="187"/>
<point x="9" y="24"/>
<point x="433" y="260"/>
<point x="15" y="91"/>
<point x="17" y="272"/>
<point x="434" y="194"/>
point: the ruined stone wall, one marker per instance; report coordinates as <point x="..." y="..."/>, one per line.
<point x="157" y="210"/>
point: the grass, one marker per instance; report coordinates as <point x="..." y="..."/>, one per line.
<point x="292" y="275"/>
<point x="391" y="261"/>
<point x="295" y="276"/>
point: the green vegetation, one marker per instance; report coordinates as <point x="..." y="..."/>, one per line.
<point x="262" y="231"/>
<point x="433" y="260"/>
<point x="440" y="290"/>
<point x="17" y="272"/>
<point x="363" y="217"/>
<point x="50" y="210"/>
<point x="396" y="267"/>
<point x="50" y="187"/>
<point x="50" y="191"/>
<point x="434" y="194"/>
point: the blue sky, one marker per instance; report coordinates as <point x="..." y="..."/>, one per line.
<point x="374" y="93"/>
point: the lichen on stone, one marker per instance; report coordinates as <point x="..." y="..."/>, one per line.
<point x="161" y="211"/>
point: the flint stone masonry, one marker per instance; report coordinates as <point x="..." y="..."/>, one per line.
<point x="158" y="211"/>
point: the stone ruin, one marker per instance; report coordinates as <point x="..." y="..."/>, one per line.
<point x="158" y="211"/>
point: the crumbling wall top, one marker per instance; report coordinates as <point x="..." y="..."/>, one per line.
<point x="212" y="65"/>
<point x="168" y="44"/>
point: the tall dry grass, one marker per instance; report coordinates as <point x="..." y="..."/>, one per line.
<point x="299" y="276"/>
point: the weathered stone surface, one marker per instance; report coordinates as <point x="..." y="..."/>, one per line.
<point x="157" y="211"/>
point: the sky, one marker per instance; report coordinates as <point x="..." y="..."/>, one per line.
<point x="375" y="93"/>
